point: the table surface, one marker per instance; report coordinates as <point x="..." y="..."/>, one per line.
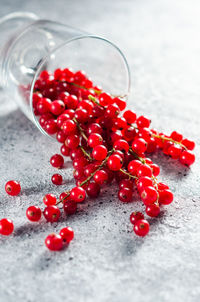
<point x="106" y="262"/>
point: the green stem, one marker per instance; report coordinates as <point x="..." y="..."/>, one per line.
<point x="129" y="175"/>
<point x="163" y="138"/>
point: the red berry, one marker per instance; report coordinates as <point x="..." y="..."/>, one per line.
<point x="149" y="195"/>
<point x="188" y="144"/>
<point x="54" y="242"/>
<point x="43" y="106"/>
<point x="57" y="179"/>
<point x="57" y="107"/>
<point x="120" y="103"/>
<point x="153" y="210"/>
<point x="61" y="137"/>
<point x="133" y="166"/>
<point x="135" y="216"/>
<point x="94" y="128"/>
<point x="139" y="146"/>
<point x="33" y="213"/>
<point x="187" y="158"/>
<point x="51" y="127"/>
<point x="12" y="188"/>
<point x="105" y="99"/>
<point x="125" y="195"/>
<point x="94" y="140"/>
<point x="165" y="197"/>
<point x="129" y="116"/>
<point x="72" y="141"/>
<point x="99" y="152"/>
<point x="161" y="186"/>
<point x="101" y="177"/>
<point x="93" y="190"/>
<point x="121" y="145"/>
<point x="81" y="115"/>
<point x="71" y="101"/>
<point x="51" y="213"/>
<point x="143" y="122"/>
<point x="144" y="182"/>
<point x="126" y="183"/>
<point x="176" y="136"/>
<point x="69" y="206"/>
<point x="156" y="170"/>
<point x="174" y="151"/>
<point x="49" y="200"/>
<point x="67" y="234"/>
<point x="57" y="161"/>
<point x="62" y="118"/>
<point x="120" y="123"/>
<point x="6" y="226"/>
<point x="115" y="162"/>
<point x="69" y="127"/>
<point x="65" y="150"/>
<point x="78" y="194"/>
<point x="141" y="227"/>
<point x="112" y="111"/>
<point x="144" y="170"/>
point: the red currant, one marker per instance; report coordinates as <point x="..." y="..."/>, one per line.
<point x="93" y="190"/>
<point x="49" y="200"/>
<point x="99" y="152"/>
<point x="135" y="216"/>
<point x="141" y="227"/>
<point x="101" y="177"/>
<point x="165" y="197"/>
<point x="67" y="234"/>
<point x="6" y="226"/>
<point x="125" y="195"/>
<point x="149" y="195"/>
<point x="115" y="162"/>
<point x="78" y="194"/>
<point x="153" y="210"/>
<point x="54" y="242"/>
<point x="57" y="179"/>
<point x="33" y="213"/>
<point x="13" y="188"/>
<point x="187" y="158"/>
<point x="57" y="161"/>
<point x="51" y="213"/>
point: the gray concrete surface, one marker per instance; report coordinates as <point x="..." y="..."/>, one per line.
<point x="106" y="262"/>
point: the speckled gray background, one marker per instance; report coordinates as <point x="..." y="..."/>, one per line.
<point x="106" y="262"/>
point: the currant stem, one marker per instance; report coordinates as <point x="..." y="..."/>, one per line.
<point x="137" y="156"/>
<point x="163" y="138"/>
<point x="80" y="129"/>
<point x="129" y="175"/>
<point x="94" y="100"/>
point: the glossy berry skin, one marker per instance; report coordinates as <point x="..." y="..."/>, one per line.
<point x="141" y="227"/>
<point x="69" y="127"/>
<point x="54" y="242"/>
<point x="51" y="127"/>
<point x="70" y="207"/>
<point x="43" y="106"/>
<point x="61" y="137"/>
<point x="149" y="195"/>
<point x="176" y="136"/>
<point x="57" y="161"/>
<point x="135" y="216"/>
<point x="94" y="140"/>
<point x="67" y="235"/>
<point x="105" y="99"/>
<point x="165" y="197"/>
<point x="143" y="122"/>
<point x="126" y="183"/>
<point x="65" y="150"/>
<point x="33" y="213"/>
<point x="139" y="146"/>
<point x="133" y="166"/>
<point x="115" y="162"/>
<point x="155" y="168"/>
<point x="6" y="226"/>
<point x="125" y="195"/>
<point x="51" y="213"/>
<point x="57" y="179"/>
<point x="121" y="145"/>
<point x="152" y="210"/>
<point x="13" y="188"/>
<point x="57" y="107"/>
<point x="187" y="158"/>
<point x="190" y="145"/>
<point x="93" y="190"/>
<point x="129" y="116"/>
<point x="144" y="170"/>
<point x="100" y="177"/>
<point x="174" y="151"/>
<point x="78" y="194"/>
<point x="99" y="152"/>
<point x="144" y="182"/>
<point x="49" y="200"/>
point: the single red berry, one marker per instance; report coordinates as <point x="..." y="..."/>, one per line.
<point x="93" y="190"/>
<point x="153" y="210"/>
<point x="44" y="118"/>
<point x="54" y="242"/>
<point x="57" y="179"/>
<point x="133" y="166"/>
<point x="125" y="195"/>
<point x="43" y="106"/>
<point x="81" y="115"/>
<point x="61" y="137"/>
<point x="143" y="122"/>
<point x="69" y="127"/>
<point x="71" y="101"/>
<point x="149" y="195"/>
<point x="120" y="103"/>
<point x="165" y="197"/>
<point x="112" y="111"/>
<point x="141" y="227"/>
<point x="89" y="169"/>
<point x="80" y="163"/>
<point x="72" y="141"/>
<point x="121" y="145"/>
<point x="135" y="216"/>
<point x="94" y="140"/>
<point x="152" y="145"/>
<point x="105" y="99"/>
<point x="62" y="118"/>
<point x="94" y="128"/>
<point x="12" y="188"/>
<point x="67" y="234"/>
<point x="33" y="213"/>
<point x="100" y="177"/>
<point x="57" y="107"/>
<point x="99" y="152"/>
<point x="69" y="206"/>
<point x="161" y="186"/>
<point x="52" y="213"/>
<point x="174" y="151"/>
<point x="129" y="133"/>
<point x="49" y="200"/>
<point x="187" y="158"/>
<point x="6" y="226"/>
<point x="176" y="136"/>
<point x="129" y="116"/>
<point x="139" y="146"/>
<point x="78" y="194"/>
<point x="115" y="162"/>
<point x="51" y="126"/>
<point x="190" y="145"/>
<point x="155" y="168"/>
<point x="126" y="183"/>
<point x="87" y="105"/>
<point x="144" y="170"/>
<point x="144" y="182"/>
<point x="65" y="150"/>
<point x="57" y="161"/>
<point x="120" y="123"/>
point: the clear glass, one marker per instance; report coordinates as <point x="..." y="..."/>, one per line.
<point x="36" y="45"/>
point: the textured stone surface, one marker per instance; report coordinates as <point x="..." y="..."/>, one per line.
<point x="106" y="262"/>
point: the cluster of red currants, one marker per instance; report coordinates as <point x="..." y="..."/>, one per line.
<point x="106" y="143"/>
